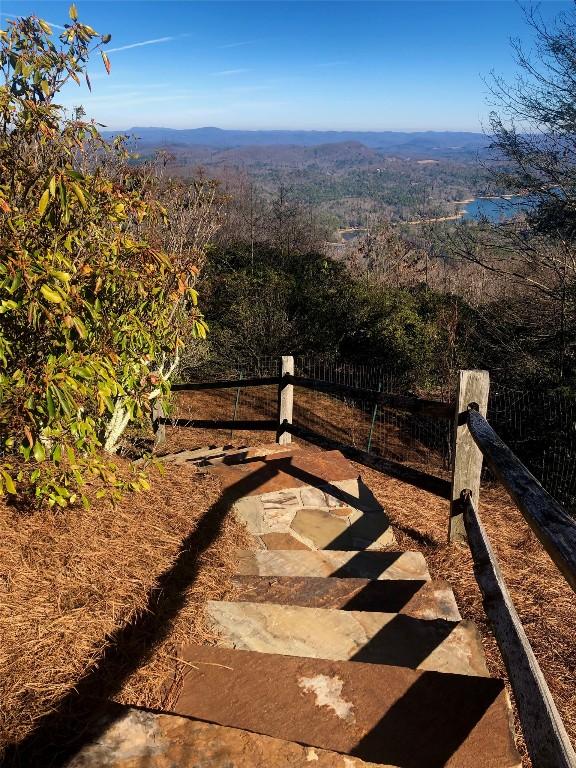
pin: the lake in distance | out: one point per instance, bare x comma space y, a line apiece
496, 209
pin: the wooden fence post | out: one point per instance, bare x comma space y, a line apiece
473, 387
159, 429
285, 401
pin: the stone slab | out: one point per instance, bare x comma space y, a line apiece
272, 473
363, 565
281, 541
421, 599
321, 529
134, 738
354, 493
388, 715
328, 633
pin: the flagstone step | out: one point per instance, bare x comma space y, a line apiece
421, 599
388, 715
328, 633
278, 473
363, 565
317, 518
135, 738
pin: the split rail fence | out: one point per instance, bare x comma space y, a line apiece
474, 441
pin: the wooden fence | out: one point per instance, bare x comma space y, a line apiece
474, 441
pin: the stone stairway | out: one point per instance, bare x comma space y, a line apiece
336, 649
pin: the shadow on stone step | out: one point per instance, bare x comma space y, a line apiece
344, 594
286, 466
61, 733
405, 641
367, 565
428, 725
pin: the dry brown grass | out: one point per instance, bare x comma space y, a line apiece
75, 583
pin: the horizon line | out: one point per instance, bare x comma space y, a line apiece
303, 130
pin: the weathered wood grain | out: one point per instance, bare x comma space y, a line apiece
285, 400
473, 387
553, 526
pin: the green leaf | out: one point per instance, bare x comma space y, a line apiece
10, 487
50, 404
50, 295
79, 194
38, 451
43, 202
45, 26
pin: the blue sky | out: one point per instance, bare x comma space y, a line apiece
378, 65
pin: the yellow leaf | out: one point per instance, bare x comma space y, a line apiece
45, 26
43, 202
50, 295
10, 487
59, 275
73, 12
38, 451
79, 194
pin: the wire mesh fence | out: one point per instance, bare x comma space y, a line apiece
422, 442
539, 427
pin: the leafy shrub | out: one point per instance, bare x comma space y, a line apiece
92, 310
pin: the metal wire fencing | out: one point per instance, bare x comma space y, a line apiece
539, 427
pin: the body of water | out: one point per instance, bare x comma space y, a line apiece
498, 209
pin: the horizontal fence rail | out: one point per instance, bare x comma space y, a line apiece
414, 404
262, 381
435, 485
553, 526
237, 424
544, 731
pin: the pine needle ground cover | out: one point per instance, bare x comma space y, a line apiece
76, 584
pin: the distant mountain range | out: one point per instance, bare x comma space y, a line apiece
417, 144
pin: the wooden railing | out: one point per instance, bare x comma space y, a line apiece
473, 441
546, 738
